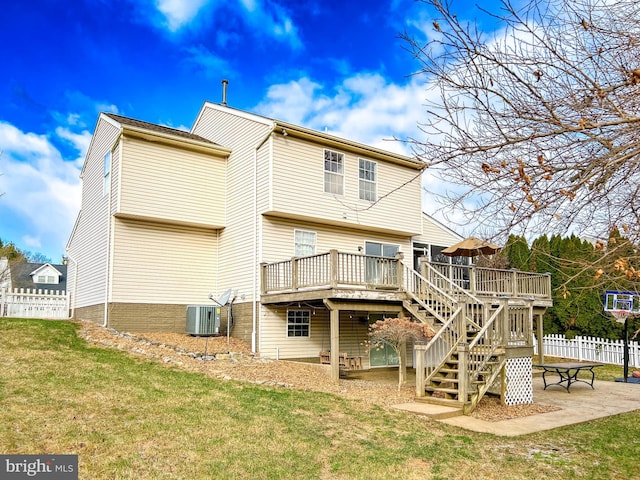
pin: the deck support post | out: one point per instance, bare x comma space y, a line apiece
334, 334
420, 365
540, 337
463, 372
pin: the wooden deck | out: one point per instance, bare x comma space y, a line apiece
482, 316
363, 277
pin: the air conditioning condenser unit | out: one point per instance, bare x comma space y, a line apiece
203, 320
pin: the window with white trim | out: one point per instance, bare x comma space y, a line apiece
106, 173
46, 279
298, 323
333, 172
305, 243
367, 174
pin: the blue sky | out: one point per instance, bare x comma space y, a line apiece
334, 65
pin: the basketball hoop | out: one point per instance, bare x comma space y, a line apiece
622, 305
620, 315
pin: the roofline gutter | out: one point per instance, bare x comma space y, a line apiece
167, 139
345, 144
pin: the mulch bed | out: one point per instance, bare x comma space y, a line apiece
231, 359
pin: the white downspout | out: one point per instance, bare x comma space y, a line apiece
256, 254
108, 259
72, 301
254, 315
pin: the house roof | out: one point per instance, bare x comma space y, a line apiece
131, 122
279, 126
21, 276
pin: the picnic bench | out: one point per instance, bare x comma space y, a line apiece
568, 373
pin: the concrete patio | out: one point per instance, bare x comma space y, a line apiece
582, 404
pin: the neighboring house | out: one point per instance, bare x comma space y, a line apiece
37, 277
316, 235
33, 290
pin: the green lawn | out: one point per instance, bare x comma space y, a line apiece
129, 418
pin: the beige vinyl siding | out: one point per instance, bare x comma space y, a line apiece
172, 184
278, 244
278, 238
88, 245
238, 249
276, 343
116, 155
264, 176
298, 190
354, 331
154, 263
434, 233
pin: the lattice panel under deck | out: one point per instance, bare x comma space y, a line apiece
519, 379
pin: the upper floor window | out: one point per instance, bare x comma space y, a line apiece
305, 243
333, 172
107, 173
367, 175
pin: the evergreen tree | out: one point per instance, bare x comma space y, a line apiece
518, 253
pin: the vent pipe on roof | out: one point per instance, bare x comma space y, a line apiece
224, 91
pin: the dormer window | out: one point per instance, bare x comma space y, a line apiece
46, 279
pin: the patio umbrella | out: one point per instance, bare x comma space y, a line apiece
471, 247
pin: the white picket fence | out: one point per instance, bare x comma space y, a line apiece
590, 349
28, 303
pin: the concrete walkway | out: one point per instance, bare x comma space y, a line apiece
580, 405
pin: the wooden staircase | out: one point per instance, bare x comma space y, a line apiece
467, 353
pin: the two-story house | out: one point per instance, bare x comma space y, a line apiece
316, 236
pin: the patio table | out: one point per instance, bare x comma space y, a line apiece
568, 373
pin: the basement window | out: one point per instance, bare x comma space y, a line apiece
298, 323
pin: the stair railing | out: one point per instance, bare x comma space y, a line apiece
461, 314
428, 295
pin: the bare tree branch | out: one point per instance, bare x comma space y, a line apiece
538, 126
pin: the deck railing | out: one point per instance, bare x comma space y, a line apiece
354, 270
491, 281
330, 270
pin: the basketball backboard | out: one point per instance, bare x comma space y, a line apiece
615, 301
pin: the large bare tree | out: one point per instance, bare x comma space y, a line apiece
537, 124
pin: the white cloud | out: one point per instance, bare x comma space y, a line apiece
365, 107
295, 101
179, 13
263, 18
272, 19
80, 141
41, 191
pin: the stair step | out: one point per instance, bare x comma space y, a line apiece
448, 370
447, 402
444, 379
432, 389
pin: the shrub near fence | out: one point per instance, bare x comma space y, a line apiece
590, 349
27, 303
